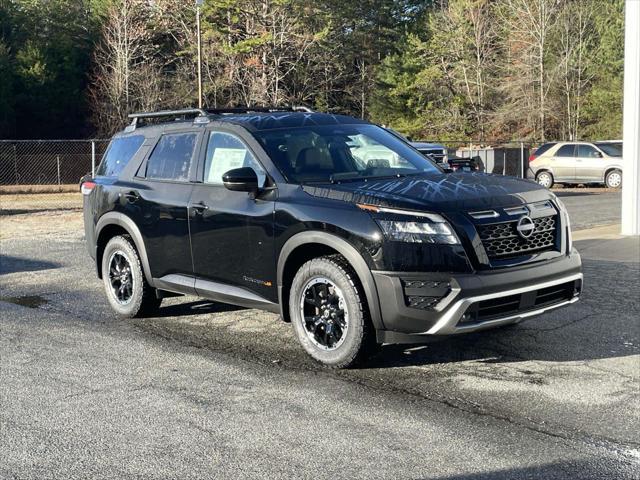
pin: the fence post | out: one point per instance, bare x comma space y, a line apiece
522, 159
93, 158
15, 163
58, 164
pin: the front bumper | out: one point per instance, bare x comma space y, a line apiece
459, 303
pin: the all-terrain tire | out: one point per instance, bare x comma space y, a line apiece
359, 337
142, 300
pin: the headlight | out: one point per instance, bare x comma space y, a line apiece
429, 228
563, 209
418, 232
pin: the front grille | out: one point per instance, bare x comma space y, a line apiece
513, 304
501, 240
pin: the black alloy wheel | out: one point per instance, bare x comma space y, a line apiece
329, 312
120, 277
326, 318
128, 291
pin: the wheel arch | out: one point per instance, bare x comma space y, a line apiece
307, 245
115, 223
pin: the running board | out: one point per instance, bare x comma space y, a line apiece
224, 293
176, 283
219, 292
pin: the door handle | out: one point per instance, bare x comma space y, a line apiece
200, 207
132, 196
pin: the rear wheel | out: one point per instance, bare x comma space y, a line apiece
545, 179
127, 289
329, 313
613, 179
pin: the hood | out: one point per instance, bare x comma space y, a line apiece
437, 192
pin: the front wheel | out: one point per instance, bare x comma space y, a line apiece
545, 179
329, 312
127, 289
613, 179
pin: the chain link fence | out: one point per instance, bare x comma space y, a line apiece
503, 159
45, 174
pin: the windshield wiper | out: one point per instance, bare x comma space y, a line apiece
352, 176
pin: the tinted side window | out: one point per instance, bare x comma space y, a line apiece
565, 151
540, 150
587, 151
611, 149
117, 156
225, 152
171, 157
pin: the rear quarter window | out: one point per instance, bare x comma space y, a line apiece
543, 148
120, 151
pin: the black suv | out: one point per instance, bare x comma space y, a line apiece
343, 228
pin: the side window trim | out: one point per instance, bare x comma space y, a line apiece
199, 178
588, 149
574, 151
141, 172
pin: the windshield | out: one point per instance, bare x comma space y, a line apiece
332, 153
611, 149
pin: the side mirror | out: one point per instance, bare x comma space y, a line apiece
242, 179
598, 154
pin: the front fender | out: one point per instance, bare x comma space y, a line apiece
349, 252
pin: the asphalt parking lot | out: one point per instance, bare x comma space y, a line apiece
206, 390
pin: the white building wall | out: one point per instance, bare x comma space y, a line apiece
631, 129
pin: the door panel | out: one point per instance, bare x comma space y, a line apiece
232, 239
158, 198
563, 163
589, 164
159, 209
232, 232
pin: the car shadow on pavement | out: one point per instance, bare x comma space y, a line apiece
603, 324
11, 264
596, 467
198, 307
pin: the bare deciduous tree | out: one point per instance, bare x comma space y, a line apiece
125, 47
576, 53
528, 25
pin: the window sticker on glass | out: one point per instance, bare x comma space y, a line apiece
225, 159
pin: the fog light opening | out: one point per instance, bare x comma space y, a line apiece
466, 318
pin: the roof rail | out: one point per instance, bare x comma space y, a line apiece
249, 109
201, 116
